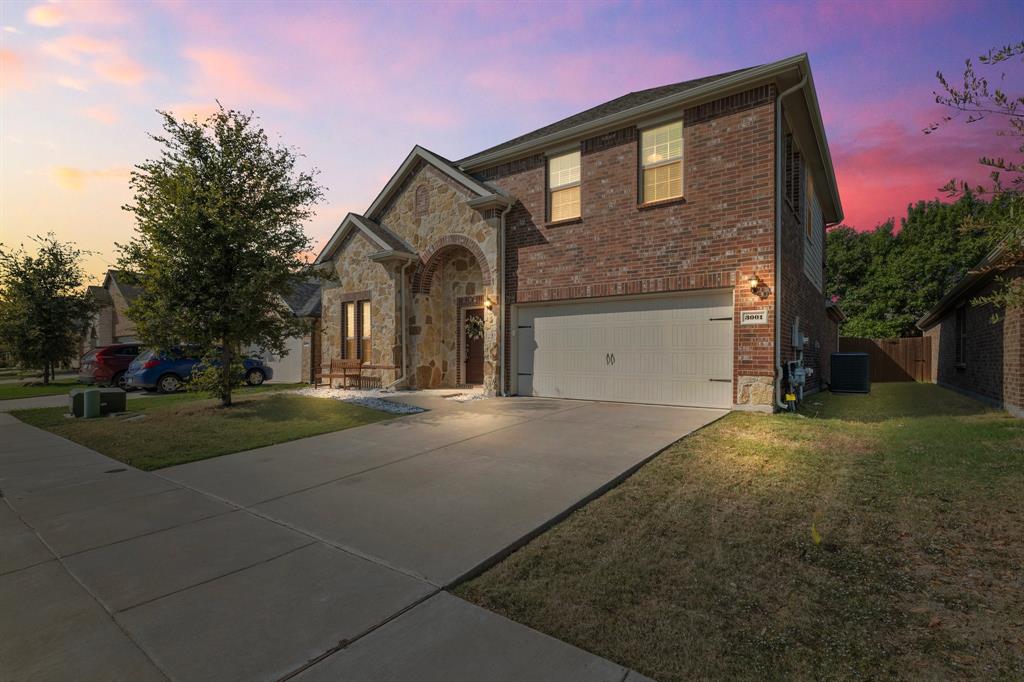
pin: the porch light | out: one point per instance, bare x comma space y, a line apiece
755, 283
488, 303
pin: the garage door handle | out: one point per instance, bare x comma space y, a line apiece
609, 358
725, 381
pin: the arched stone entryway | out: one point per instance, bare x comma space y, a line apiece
452, 285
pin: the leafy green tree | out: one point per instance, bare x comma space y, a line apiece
886, 280
44, 307
219, 241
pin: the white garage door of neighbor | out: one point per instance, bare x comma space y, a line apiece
661, 350
287, 368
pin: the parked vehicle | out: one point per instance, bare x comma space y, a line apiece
107, 365
167, 372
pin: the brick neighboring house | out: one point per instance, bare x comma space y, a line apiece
970, 353
664, 247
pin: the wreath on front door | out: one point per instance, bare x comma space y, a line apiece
474, 327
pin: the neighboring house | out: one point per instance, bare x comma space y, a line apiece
110, 324
971, 353
637, 251
303, 356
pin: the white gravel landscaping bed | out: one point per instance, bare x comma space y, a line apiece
374, 399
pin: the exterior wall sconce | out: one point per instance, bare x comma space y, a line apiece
758, 287
488, 303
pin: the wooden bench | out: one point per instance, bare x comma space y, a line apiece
340, 369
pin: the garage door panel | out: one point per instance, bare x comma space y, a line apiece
655, 350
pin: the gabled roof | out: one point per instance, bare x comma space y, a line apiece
615, 106
378, 234
420, 155
100, 295
388, 240
118, 277
304, 298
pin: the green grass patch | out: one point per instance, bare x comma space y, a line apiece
162, 431
873, 536
15, 391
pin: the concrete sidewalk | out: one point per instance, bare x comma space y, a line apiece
111, 573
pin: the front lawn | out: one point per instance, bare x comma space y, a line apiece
163, 431
13, 391
877, 536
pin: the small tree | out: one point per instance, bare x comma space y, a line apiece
219, 241
977, 99
44, 308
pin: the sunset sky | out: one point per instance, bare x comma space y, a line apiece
355, 86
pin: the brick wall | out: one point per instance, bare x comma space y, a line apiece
720, 234
994, 370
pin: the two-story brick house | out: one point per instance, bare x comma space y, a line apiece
664, 247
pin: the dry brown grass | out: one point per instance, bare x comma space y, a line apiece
852, 545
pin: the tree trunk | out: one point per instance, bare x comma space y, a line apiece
46, 374
225, 376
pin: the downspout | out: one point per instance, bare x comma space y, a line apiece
502, 391
778, 239
405, 333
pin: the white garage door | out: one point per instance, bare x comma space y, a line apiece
662, 350
287, 368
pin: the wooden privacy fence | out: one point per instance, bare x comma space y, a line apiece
894, 359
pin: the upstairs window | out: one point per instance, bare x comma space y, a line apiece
564, 186
662, 162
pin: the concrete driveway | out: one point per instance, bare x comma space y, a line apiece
324, 558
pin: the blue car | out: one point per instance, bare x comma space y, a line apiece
167, 372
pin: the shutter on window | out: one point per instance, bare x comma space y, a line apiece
792, 179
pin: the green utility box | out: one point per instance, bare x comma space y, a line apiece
110, 400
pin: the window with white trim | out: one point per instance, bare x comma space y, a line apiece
661, 160
564, 186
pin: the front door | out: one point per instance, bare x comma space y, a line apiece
473, 333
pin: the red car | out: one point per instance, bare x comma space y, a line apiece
106, 365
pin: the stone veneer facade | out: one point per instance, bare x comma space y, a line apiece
457, 249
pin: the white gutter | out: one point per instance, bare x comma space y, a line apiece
778, 239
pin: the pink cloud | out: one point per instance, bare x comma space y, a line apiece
72, 83
106, 58
73, 48
47, 16
52, 14
231, 77
71, 178
887, 166
14, 69
102, 114
121, 70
